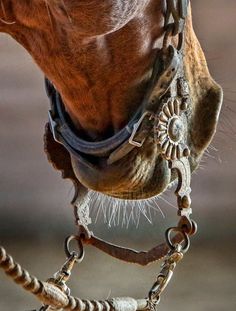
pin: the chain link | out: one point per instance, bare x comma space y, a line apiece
165, 276
176, 14
185, 227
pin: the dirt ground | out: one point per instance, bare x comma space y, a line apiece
34, 212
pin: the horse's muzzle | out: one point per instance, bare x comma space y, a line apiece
141, 174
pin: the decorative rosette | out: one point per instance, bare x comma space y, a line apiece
171, 130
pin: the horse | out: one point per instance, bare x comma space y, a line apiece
99, 56
133, 108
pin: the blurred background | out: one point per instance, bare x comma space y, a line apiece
35, 214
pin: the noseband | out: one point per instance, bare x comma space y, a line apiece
163, 116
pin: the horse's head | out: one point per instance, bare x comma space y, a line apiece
99, 56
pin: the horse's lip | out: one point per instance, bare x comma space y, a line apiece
111, 179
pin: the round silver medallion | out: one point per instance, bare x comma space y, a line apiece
171, 130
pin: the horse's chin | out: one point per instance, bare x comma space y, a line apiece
127, 179
142, 174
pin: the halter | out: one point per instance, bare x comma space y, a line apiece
163, 115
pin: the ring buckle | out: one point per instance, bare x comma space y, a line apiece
69, 253
185, 236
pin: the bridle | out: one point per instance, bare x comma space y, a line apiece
162, 115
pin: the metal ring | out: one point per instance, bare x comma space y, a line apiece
172, 245
80, 255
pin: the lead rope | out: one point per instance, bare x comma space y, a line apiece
54, 293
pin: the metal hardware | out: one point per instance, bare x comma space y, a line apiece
53, 127
136, 127
177, 10
165, 276
61, 277
185, 239
78, 256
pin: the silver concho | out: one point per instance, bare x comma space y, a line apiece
171, 130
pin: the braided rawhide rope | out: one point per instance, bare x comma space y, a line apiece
55, 295
52, 295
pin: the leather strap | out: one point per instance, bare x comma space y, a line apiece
64, 133
129, 255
